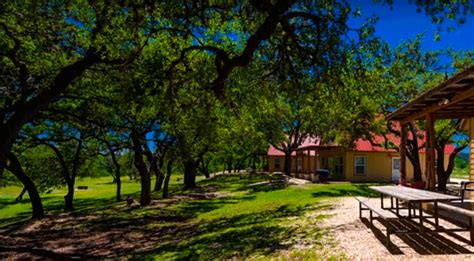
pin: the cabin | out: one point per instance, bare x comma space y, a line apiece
366, 161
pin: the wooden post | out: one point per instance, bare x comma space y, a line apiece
315, 161
297, 170
403, 154
471, 154
430, 152
309, 162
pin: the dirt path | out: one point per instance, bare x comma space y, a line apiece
359, 240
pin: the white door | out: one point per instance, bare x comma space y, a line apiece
395, 169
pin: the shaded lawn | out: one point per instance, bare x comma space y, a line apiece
224, 218
99, 195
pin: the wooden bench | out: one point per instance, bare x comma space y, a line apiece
382, 214
462, 211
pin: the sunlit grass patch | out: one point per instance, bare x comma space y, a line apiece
226, 217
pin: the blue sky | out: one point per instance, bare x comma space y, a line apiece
403, 22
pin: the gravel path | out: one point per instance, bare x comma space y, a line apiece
357, 239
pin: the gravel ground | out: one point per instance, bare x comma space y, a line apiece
359, 240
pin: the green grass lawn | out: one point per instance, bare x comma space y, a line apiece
233, 220
100, 194
462, 173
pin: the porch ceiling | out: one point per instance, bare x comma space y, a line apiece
454, 98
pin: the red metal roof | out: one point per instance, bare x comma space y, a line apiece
272, 151
362, 145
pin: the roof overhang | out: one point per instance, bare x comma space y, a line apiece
316, 147
454, 98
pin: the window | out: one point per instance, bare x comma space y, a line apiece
324, 164
360, 165
336, 165
339, 168
277, 164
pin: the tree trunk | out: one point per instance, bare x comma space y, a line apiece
145, 195
20, 197
189, 174
205, 170
118, 181
417, 174
68, 198
444, 172
160, 176
442, 180
254, 163
71, 181
204, 166
287, 168
36, 204
229, 167
167, 179
413, 154
159, 181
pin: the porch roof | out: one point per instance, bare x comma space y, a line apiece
453, 98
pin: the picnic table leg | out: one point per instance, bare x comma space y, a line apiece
381, 200
409, 209
436, 215
471, 230
388, 233
397, 206
360, 210
420, 209
391, 202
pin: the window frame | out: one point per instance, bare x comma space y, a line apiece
275, 163
358, 165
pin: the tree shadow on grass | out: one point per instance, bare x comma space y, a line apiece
168, 229
167, 232
233, 182
240, 236
337, 191
196, 207
267, 187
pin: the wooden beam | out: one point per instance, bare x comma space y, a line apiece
456, 115
436, 107
430, 153
403, 158
443, 87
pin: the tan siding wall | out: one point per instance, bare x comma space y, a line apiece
271, 162
378, 164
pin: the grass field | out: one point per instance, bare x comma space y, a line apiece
225, 218
100, 192
460, 173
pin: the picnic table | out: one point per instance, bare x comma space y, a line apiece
390, 216
413, 197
